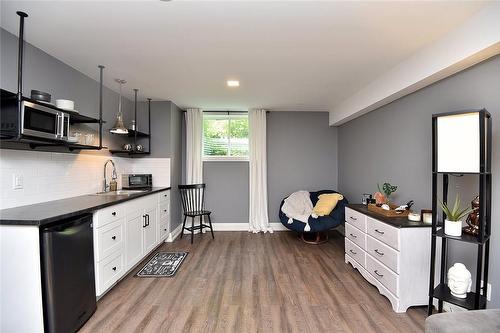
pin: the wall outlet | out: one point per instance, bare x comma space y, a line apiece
17, 182
488, 292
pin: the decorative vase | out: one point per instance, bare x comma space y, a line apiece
453, 228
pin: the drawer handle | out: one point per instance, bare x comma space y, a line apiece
378, 274
354, 236
380, 232
114, 213
165, 229
378, 252
165, 210
113, 238
353, 218
114, 268
353, 252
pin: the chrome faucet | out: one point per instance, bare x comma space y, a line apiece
106, 186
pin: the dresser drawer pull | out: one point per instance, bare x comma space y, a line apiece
378, 274
354, 236
353, 218
353, 252
379, 232
113, 238
114, 268
378, 252
114, 213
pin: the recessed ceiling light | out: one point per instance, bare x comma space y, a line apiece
233, 83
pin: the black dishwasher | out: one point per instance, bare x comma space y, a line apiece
68, 282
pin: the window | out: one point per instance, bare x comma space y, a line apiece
225, 136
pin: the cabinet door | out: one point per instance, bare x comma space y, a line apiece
149, 232
134, 229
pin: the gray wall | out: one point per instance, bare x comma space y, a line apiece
393, 144
301, 155
46, 73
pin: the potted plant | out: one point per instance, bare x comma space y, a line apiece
453, 222
387, 189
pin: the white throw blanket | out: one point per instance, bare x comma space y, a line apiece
298, 206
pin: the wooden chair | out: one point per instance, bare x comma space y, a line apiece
193, 204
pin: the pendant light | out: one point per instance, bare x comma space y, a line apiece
119, 127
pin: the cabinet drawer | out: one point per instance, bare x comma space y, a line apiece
383, 232
383, 253
164, 196
355, 235
109, 239
355, 252
163, 230
382, 274
107, 215
109, 271
356, 219
164, 209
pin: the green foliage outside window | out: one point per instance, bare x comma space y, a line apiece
225, 135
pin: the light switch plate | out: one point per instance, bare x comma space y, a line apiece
17, 181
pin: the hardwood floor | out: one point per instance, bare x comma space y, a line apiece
244, 282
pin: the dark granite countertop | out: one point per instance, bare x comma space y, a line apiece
47, 212
398, 222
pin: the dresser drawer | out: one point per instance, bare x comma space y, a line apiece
355, 252
383, 253
109, 271
356, 219
382, 274
383, 232
109, 239
355, 235
107, 215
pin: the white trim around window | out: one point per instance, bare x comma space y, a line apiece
225, 158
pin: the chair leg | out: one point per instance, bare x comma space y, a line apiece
183, 225
201, 224
210, 223
192, 229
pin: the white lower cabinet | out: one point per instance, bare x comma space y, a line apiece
123, 239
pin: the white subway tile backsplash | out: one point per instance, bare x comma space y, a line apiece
52, 176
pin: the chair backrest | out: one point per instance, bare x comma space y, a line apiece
192, 197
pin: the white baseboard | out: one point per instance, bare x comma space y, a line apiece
276, 226
174, 234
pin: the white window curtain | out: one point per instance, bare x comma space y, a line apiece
194, 146
258, 216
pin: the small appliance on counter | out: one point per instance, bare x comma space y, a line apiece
137, 181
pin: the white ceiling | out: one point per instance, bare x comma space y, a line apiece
288, 55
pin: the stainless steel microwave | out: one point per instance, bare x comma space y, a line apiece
43, 122
134, 180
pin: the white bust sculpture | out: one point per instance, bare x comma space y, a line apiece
459, 280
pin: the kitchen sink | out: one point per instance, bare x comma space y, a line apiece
122, 192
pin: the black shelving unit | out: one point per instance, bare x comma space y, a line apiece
137, 134
18, 140
477, 299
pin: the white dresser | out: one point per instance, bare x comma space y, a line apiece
393, 254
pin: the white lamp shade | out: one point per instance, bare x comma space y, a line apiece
458, 143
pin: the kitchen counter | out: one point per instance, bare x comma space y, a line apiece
47, 212
398, 222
